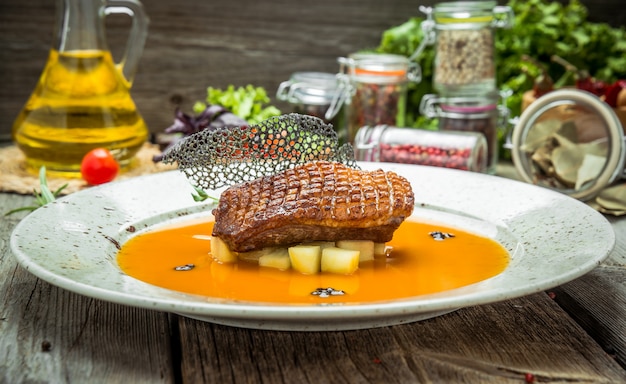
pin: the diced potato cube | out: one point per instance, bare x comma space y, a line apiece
338, 260
365, 248
221, 252
305, 258
278, 259
380, 249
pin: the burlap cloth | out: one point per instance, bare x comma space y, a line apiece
15, 178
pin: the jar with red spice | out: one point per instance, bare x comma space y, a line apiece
458, 150
480, 114
375, 89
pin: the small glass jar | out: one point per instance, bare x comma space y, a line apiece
463, 34
479, 114
375, 89
312, 93
458, 150
570, 141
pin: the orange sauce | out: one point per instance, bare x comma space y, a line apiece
417, 265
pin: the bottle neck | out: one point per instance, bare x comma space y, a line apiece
80, 25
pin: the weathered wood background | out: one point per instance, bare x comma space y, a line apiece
193, 44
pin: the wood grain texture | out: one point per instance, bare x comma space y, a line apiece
597, 301
50, 335
497, 343
194, 44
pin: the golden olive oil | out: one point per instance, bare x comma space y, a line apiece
82, 102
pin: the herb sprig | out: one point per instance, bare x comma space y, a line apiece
43, 197
202, 195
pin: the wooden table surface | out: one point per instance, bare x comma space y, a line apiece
576, 333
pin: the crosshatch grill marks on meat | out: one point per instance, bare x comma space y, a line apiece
315, 201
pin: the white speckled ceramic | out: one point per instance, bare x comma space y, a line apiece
552, 239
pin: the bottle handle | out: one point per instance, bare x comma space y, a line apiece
137, 36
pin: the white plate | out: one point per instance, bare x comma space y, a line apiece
552, 239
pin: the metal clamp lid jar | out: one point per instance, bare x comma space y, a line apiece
570, 141
480, 114
374, 89
311, 92
462, 32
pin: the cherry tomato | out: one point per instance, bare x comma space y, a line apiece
99, 166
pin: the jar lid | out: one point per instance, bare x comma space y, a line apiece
311, 88
378, 67
435, 106
571, 141
476, 11
451, 14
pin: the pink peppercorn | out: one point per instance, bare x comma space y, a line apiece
458, 150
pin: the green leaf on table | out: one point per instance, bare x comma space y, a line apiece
43, 197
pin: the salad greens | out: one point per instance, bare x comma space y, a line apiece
249, 102
542, 29
222, 108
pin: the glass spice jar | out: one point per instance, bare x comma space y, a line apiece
312, 93
479, 114
458, 150
463, 35
375, 89
570, 141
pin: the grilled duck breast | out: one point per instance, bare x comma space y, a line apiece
316, 201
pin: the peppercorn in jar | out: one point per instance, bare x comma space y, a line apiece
463, 35
376, 89
458, 150
465, 52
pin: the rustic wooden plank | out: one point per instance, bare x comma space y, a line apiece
597, 301
496, 343
51, 335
